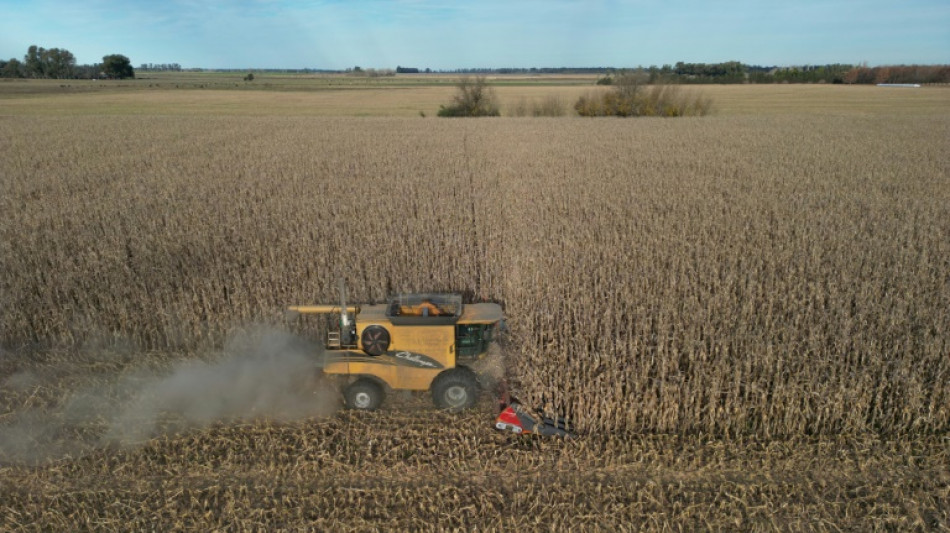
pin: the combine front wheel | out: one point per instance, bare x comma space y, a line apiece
364, 395
455, 389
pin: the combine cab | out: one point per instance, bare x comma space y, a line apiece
413, 342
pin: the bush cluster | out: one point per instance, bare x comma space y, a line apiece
473, 99
631, 98
549, 106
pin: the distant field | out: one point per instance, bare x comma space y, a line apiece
747, 314
414, 95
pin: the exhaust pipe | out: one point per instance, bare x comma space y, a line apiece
344, 316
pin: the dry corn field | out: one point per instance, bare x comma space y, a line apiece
748, 317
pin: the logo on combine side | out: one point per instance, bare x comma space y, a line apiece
417, 359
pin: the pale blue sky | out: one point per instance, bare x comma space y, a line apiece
441, 34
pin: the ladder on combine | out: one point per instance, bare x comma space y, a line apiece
333, 340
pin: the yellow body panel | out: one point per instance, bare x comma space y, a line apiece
395, 375
436, 342
417, 353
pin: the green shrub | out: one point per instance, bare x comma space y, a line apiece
473, 99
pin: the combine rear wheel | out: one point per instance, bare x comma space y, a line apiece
455, 389
364, 395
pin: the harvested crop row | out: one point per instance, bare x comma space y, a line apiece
397, 470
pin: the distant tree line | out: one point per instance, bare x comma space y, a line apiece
160, 67
899, 74
60, 64
531, 70
369, 72
737, 72
267, 70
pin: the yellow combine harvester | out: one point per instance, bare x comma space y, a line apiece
413, 342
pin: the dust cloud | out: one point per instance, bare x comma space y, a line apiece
262, 373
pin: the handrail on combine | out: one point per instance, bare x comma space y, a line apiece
323, 309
